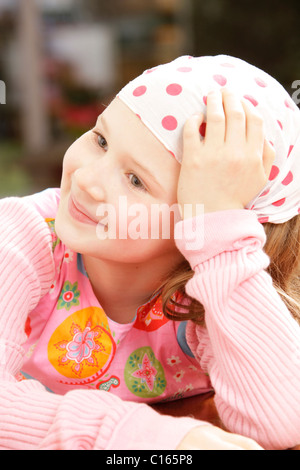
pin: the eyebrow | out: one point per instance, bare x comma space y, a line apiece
101, 120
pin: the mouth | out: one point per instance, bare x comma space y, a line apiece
79, 213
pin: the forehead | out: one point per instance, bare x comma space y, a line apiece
130, 134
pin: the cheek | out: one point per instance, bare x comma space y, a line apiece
71, 159
77, 155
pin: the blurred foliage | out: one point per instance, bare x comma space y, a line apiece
14, 179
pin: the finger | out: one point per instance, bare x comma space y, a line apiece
255, 132
191, 136
215, 126
235, 118
268, 157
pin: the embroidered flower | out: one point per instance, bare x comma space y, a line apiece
83, 349
179, 375
68, 256
173, 360
82, 346
52, 287
150, 316
146, 372
69, 296
181, 392
189, 388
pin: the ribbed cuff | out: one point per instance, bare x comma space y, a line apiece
145, 429
203, 237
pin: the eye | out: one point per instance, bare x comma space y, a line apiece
136, 182
102, 142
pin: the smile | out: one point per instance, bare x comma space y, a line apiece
79, 214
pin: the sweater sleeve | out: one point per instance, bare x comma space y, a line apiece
31, 417
251, 344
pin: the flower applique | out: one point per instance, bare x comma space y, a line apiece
68, 256
82, 346
144, 374
179, 375
52, 287
150, 316
69, 296
173, 360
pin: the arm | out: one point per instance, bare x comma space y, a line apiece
253, 352
30, 416
252, 347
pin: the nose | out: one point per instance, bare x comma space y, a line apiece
91, 180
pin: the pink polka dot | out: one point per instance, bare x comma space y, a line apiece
174, 89
279, 203
151, 70
184, 69
139, 91
260, 82
220, 79
205, 100
288, 179
273, 173
299, 210
280, 125
289, 104
202, 129
263, 220
169, 123
251, 99
290, 149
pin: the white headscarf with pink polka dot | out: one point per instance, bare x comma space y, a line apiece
167, 95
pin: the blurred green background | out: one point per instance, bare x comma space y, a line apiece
63, 60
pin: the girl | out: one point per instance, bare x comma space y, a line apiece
96, 311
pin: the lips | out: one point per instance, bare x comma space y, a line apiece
79, 213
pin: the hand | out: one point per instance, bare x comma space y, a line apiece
208, 437
231, 165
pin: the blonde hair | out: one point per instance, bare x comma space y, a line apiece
283, 248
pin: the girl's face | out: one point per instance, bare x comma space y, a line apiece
108, 170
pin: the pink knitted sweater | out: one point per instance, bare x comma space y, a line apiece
250, 348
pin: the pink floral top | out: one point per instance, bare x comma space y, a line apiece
73, 344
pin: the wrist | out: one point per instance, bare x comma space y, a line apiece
191, 210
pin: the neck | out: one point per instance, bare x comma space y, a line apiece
122, 287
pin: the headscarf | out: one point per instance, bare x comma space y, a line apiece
164, 97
